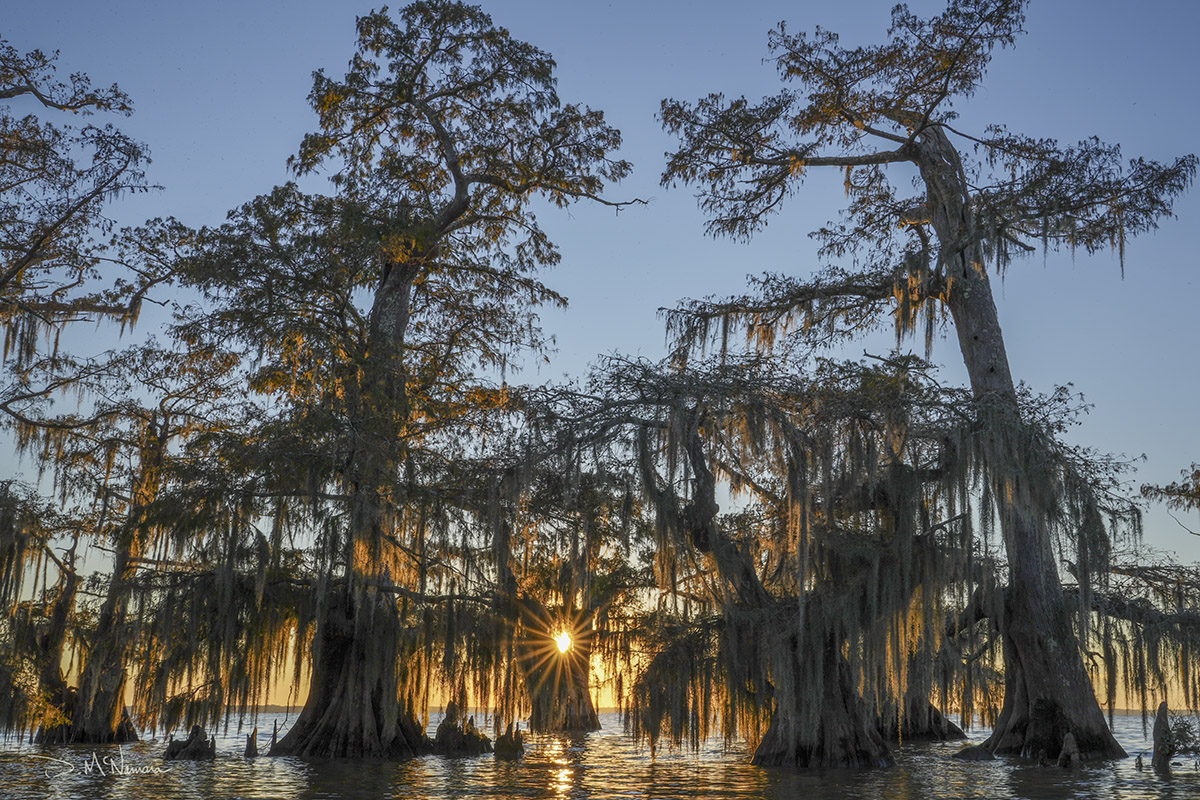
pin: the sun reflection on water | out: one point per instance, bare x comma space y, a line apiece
601, 764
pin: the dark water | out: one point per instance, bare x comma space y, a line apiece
600, 765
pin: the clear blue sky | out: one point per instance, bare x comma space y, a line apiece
219, 90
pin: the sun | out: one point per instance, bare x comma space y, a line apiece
563, 640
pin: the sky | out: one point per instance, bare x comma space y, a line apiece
220, 91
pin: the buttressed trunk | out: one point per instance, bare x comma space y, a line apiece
50, 652
353, 709
1047, 690
557, 681
917, 719
843, 735
95, 712
98, 712
837, 730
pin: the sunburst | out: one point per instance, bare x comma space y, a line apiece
556, 649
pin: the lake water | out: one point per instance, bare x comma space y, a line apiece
599, 765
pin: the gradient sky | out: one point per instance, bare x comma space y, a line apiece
219, 90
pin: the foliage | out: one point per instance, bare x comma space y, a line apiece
1183, 735
1182, 495
325, 476
55, 181
746, 159
919, 260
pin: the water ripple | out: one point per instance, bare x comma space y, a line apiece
604, 764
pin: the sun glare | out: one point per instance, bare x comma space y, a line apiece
563, 640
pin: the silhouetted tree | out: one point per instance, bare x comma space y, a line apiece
55, 181
372, 312
914, 258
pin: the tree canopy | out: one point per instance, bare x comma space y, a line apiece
55, 181
905, 259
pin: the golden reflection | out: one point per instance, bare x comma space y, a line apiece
562, 782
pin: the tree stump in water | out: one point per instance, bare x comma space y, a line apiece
251, 744
1164, 746
457, 738
511, 744
1069, 757
197, 747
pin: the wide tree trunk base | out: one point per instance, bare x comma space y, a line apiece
844, 736
347, 732
352, 709
840, 744
68, 733
1045, 698
574, 714
923, 723
557, 682
1039, 732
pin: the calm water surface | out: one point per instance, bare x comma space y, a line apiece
599, 765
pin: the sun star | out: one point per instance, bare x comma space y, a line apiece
563, 640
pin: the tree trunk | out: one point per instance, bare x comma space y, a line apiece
844, 736
98, 714
353, 710
95, 712
50, 652
97, 709
557, 682
562, 701
921, 722
1047, 690
1164, 747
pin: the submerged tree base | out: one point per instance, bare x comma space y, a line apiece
123, 732
196, 747
844, 737
459, 737
846, 743
923, 723
352, 709
573, 713
1046, 697
511, 744
556, 679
